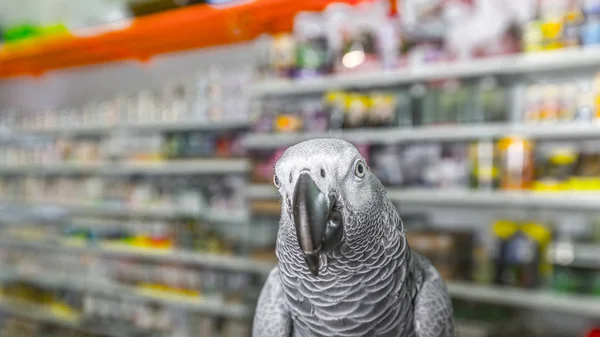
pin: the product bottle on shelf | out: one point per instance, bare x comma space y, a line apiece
516, 155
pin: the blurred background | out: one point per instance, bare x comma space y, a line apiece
138, 138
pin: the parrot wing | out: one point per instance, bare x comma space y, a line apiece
272, 317
433, 306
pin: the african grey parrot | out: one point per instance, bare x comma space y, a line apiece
345, 268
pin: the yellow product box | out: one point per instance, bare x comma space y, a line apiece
584, 183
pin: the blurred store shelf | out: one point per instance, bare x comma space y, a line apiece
429, 133
581, 201
92, 209
262, 191
94, 284
40, 313
528, 299
37, 313
173, 167
208, 260
470, 328
103, 130
504, 65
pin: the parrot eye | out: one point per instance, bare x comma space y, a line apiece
276, 181
360, 169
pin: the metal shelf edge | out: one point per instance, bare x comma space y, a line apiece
524, 298
202, 166
231, 263
501, 65
460, 132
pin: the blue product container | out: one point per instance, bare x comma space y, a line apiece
590, 32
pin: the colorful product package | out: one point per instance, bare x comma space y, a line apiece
283, 55
586, 176
520, 253
484, 163
366, 37
554, 166
313, 53
516, 155
382, 110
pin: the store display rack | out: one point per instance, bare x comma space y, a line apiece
524, 298
431, 133
236, 217
36, 313
91, 285
232, 263
580, 201
102, 130
167, 167
501, 65
527, 298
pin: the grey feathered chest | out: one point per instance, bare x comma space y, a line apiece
357, 293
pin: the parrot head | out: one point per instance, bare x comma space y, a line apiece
327, 192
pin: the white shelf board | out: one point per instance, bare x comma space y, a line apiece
502, 65
262, 191
197, 166
89, 209
68, 169
526, 298
92, 284
173, 167
430, 133
582, 201
233, 263
101, 130
189, 126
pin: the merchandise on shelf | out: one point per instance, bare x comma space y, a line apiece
450, 252
484, 171
97, 314
123, 148
516, 163
424, 165
555, 166
218, 97
571, 101
576, 280
345, 38
313, 53
520, 253
193, 196
132, 275
342, 38
448, 102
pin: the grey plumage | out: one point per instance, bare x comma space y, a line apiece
369, 283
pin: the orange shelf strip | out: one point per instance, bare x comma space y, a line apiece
177, 30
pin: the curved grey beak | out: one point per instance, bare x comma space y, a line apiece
316, 225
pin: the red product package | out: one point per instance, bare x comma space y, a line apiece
594, 333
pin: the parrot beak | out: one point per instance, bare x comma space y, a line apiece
317, 224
